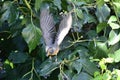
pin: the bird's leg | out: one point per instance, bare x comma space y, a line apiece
50, 57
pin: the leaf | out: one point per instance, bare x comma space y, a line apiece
106, 0
18, 57
96, 74
117, 73
10, 12
78, 66
117, 7
115, 56
88, 66
101, 26
78, 3
8, 62
113, 38
37, 4
98, 49
102, 13
102, 64
6, 9
88, 18
113, 48
107, 75
67, 75
101, 49
82, 76
47, 67
79, 13
91, 34
57, 3
113, 22
100, 3
112, 19
82, 51
102, 46
32, 36
114, 25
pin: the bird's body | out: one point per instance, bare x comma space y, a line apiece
47, 25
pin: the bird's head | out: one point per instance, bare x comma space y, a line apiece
52, 51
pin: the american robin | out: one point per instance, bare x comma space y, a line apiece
47, 25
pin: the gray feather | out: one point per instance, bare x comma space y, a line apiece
64, 28
47, 27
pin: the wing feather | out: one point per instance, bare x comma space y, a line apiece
47, 26
64, 28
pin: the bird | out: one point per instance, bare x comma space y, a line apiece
52, 38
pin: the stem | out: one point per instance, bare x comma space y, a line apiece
33, 69
104, 32
78, 41
29, 7
73, 37
31, 18
27, 4
32, 72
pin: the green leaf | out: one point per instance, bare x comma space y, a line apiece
117, 72
102, 13
114, 25
107, 76
82, 76
100, 3
113, 48
106, 0
47, 67
8, 62
78, 3
112, 19
101, 26
113, 38
78, 66
88, 18
91, 34
115, 56
67, 75
79, 13
6, 9
57, 3
102, 64
113, 22
88, 66
10, 12
97, 73
18, 57
37, 4
98, 49
82, 51
32, 36
102, 46
117, 7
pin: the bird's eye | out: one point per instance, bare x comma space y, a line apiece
51, 51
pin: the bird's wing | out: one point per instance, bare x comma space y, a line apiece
47, 26
64, 28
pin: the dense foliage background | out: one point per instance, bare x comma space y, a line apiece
91, 50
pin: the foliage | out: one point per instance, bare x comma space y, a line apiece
90, 51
